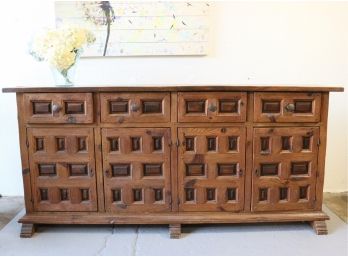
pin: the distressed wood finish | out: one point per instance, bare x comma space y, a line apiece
287, 107
175, 231
172, 155
136, 169
172, 218
58, 108
27, 230
322, 151
62, 168
212, 107
140, 107
23, 144
285, 168
173, 88
319, 227
211, 169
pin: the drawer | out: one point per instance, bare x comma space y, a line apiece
58, 108
135, 107
212, 107
287, 107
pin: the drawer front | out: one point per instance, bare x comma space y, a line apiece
62, 169
287, 107
212, 107
136, 164
135, 107
59, 108
285, 168
211, 169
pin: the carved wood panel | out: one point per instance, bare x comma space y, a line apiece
287, 107
211, 169
285, 168
212, 107
135, 107
62, 167
136, 164
59, 108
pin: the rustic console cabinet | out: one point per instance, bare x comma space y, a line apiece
172, 155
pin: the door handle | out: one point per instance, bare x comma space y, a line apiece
290, 107
135, 107
212, 108
56, 108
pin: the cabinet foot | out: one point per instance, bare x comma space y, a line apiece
319, 227
175, 231
27, 230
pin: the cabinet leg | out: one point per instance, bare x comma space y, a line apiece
319, 227
175, 231
27, 230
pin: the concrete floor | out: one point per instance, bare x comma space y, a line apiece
338, 203
9, 207
251, 239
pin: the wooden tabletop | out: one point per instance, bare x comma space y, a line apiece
171, 88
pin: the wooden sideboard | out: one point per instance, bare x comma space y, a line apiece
172, 155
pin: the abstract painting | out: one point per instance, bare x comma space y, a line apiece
140, 28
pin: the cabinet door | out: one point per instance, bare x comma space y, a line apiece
211, 107
211, 169
62, 168
136, 165
285, 168
59, 108
135, 107
287, 107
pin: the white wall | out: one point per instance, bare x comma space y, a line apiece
252, 43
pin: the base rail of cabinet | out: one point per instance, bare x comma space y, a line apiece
315, 218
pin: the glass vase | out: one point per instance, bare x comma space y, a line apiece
64, 78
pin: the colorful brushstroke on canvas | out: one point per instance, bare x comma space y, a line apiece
140, 28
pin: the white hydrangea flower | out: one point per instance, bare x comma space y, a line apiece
60, 47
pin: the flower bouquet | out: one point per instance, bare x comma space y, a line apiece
61, 48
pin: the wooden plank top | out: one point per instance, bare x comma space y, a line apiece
171, 88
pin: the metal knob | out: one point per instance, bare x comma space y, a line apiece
56, 108
290, 107
212, 108
134, 108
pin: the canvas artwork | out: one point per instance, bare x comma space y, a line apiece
140, 28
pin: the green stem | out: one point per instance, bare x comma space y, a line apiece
107, 34
65, 72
